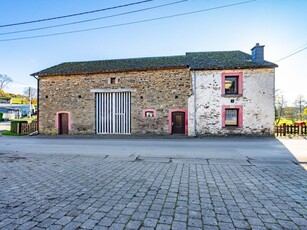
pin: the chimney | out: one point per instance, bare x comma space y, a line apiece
257, 53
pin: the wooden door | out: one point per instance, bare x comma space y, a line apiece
63, 123
178, 123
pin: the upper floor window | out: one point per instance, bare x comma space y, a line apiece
112, 80
232, 83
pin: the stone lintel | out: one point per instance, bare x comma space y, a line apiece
112, 90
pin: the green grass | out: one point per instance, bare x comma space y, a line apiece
9, 133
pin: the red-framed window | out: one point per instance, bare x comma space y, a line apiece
149, 113
232, 83
232, 116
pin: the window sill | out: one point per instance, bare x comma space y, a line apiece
232, 127
232, 95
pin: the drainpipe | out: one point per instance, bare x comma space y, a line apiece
195, 109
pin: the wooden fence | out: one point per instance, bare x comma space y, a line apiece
23, 127
284, 130
28, 128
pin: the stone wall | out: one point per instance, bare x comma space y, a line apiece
161, 90
257, 101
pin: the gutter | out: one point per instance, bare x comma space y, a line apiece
80, 72
194, 109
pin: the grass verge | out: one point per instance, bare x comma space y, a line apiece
9, 133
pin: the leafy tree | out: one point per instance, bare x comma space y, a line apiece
4, 81
4, 94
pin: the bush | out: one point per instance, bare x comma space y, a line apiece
1, 116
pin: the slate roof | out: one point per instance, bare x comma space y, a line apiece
194, 61
224, 60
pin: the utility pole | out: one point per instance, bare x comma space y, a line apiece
30, 103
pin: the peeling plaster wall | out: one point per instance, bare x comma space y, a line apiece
257, 101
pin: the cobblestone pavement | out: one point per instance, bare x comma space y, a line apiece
91, 192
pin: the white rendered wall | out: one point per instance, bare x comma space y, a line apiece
257, 101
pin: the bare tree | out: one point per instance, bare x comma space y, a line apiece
280, 104
300, 104
30, 92
4, 81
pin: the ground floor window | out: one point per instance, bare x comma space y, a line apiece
232, 116
149, 113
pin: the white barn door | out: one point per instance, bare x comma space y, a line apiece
113, 112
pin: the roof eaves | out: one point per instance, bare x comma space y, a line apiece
234, 67
44, 74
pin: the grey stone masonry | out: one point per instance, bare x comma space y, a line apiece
159, 90
84, 192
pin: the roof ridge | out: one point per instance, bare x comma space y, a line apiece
127, 59
218, 51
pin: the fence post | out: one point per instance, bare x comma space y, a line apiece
18, 127
284, 129
300, 130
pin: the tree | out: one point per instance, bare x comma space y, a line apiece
4, 81
30, 92
280, 104
4, 94
289, 113
300, 103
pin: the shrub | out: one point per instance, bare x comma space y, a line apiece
1, 116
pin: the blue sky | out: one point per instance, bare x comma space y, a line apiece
280, 25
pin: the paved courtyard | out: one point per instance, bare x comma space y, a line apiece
84, 191
98, 183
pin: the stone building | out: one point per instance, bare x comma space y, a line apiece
203, 93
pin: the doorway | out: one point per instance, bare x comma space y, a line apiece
113, 113
63, 123
178, 123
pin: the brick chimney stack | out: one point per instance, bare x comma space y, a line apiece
258, 53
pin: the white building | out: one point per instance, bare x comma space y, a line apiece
233, 93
